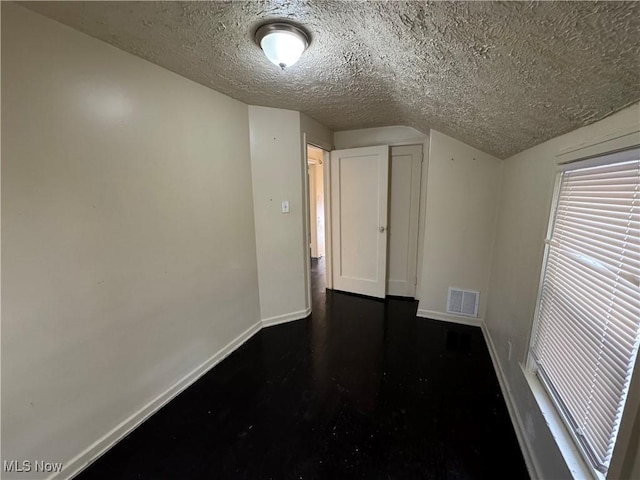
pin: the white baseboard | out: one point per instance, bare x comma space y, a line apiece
516, 420
287, 317
97, 449
447, 317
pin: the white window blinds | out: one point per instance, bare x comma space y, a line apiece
587, 326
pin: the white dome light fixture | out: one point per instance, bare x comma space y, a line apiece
282, 43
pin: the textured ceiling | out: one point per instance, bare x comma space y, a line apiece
499, 76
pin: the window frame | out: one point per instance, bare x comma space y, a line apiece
597, 155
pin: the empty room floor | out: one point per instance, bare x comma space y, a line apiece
360, 389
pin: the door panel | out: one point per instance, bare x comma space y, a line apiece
359, 197
404, 206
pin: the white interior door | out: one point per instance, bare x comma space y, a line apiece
404, 209
359, 198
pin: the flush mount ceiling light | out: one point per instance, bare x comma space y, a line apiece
282, 43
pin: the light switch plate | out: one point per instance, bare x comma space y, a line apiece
285, 206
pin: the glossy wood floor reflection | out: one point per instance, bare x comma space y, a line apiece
360, 389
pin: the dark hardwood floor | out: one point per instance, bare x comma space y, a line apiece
360, 389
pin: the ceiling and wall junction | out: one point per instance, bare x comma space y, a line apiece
499, 76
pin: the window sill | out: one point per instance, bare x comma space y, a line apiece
575, 463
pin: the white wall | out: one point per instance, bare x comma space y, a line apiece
315, 132
128, 236
461, 209
369, 137
527, 189
278, 166
395, 135
634, 463
276, 170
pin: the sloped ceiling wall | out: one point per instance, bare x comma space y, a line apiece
500, 76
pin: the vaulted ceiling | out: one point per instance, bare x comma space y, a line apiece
501, 77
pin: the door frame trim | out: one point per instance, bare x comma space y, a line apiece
326, 147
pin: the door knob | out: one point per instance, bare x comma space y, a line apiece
382, 229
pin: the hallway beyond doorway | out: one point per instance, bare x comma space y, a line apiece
318, 278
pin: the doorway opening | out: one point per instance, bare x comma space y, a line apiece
363, 220
316, 164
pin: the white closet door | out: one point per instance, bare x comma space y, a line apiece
359, 198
